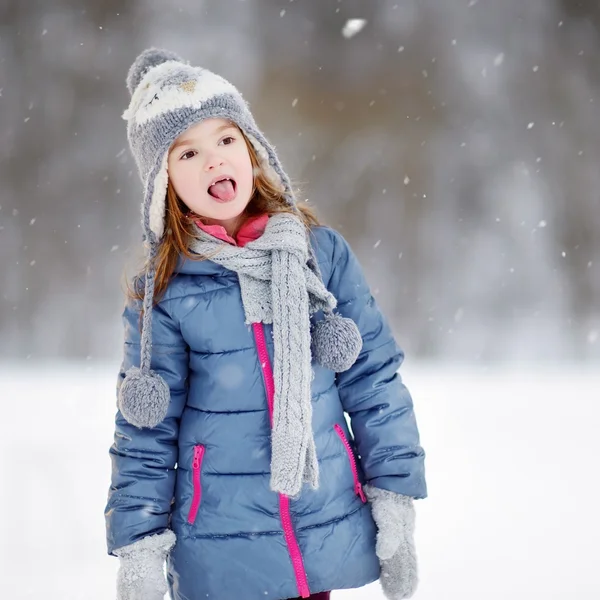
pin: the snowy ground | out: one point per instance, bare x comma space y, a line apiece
512, 470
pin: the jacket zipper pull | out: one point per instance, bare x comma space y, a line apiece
196, 461
359, 491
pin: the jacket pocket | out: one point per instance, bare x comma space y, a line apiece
196, 482
352, 459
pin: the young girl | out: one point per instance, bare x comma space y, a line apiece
250, 334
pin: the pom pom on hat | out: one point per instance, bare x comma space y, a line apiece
151, 57
143, 398
336, 342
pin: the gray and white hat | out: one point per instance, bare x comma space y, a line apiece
167, 97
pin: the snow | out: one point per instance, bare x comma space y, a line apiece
512, 463
352, 27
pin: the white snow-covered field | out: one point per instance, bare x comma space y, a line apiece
512, 463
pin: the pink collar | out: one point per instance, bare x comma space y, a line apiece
252, 229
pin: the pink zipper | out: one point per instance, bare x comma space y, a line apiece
284, 501
197, 483
357, 486
294, 549
265, 365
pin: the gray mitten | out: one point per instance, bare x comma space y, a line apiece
394, 515
141, 575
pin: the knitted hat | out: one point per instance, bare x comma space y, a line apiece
167, 97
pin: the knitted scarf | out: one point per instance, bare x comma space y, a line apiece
279, 286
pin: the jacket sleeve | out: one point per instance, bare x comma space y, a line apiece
143, 460
372, 393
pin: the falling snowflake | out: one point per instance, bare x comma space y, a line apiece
352, 27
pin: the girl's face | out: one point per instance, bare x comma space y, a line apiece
201, 160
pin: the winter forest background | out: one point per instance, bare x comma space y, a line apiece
455, 144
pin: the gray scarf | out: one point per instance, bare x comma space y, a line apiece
279, 286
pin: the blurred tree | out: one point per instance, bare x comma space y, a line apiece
455, 145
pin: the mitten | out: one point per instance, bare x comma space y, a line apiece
394, 515
141, 575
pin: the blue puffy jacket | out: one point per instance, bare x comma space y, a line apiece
204, 471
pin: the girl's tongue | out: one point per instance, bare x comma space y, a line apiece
222, 190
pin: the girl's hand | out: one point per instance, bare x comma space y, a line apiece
141, 575
394, 515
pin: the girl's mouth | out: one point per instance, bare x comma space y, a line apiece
224, 189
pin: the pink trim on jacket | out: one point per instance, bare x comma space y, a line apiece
197, 482
357, 485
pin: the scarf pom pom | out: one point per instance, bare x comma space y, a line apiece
143, 398
336, 343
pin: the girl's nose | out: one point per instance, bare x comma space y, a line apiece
212, 162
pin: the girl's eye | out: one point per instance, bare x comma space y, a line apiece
223, 141
186, 153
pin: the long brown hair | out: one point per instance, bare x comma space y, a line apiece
179, 226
